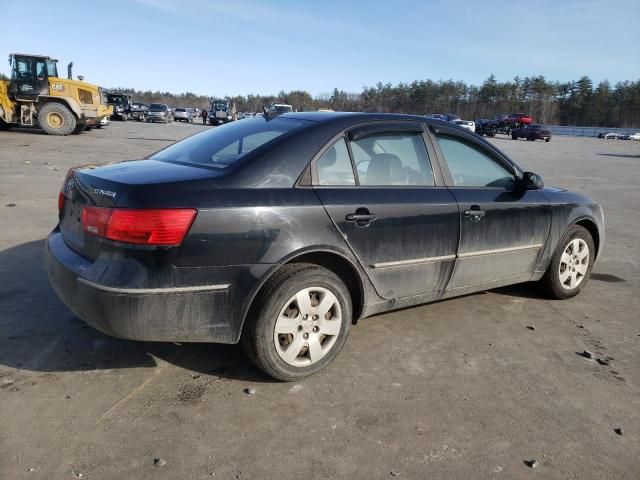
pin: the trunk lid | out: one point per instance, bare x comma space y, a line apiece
115, 185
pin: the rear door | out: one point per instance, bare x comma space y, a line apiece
379, 186
503, 229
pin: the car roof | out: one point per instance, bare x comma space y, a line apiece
359, 116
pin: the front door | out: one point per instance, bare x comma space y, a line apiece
29, 77
379, 188
503, 229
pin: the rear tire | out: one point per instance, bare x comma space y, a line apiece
56, 119
571, 265
547, 140
282, 334
514, 137
4, 126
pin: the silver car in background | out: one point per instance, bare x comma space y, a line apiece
468, 124
183, 115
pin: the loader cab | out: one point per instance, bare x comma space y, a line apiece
30, 75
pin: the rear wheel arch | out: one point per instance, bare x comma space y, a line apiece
335, 262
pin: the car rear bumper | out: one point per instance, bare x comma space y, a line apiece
200, 313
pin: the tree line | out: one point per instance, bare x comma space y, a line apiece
578, 102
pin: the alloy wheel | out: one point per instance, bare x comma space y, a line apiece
574, 264
308, 326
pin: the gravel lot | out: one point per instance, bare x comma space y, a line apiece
456, 389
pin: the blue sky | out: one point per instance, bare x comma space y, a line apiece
248, 46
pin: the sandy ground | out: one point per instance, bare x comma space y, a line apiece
456, 389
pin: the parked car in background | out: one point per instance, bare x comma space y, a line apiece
531, 132
609, 136
486, 127
183, 115
139, 111
624, 136
247, 233
519, 119
159, 112
447, 117
635, 136
468, 124
281, 107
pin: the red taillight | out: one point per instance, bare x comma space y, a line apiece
166, 227
61, 199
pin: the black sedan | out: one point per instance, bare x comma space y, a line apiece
532, 133
283, 232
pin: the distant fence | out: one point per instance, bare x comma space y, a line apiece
587, 131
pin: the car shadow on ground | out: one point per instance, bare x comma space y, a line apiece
621, 155
38, 333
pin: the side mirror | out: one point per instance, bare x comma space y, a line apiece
532, 181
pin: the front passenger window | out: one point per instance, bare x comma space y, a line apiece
470, 166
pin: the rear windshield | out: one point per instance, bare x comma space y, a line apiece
156, 107
222, 146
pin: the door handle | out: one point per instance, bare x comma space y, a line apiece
362, 217
359, 217
474, 213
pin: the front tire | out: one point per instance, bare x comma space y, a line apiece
514, 137
299, 323
56, 119
571, 266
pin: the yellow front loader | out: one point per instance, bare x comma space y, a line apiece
37, 96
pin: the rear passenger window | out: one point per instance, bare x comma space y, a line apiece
334, 167
392, 158
470, 166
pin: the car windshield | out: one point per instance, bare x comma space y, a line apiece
157, 107
223, 146
220, 105
180, 110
